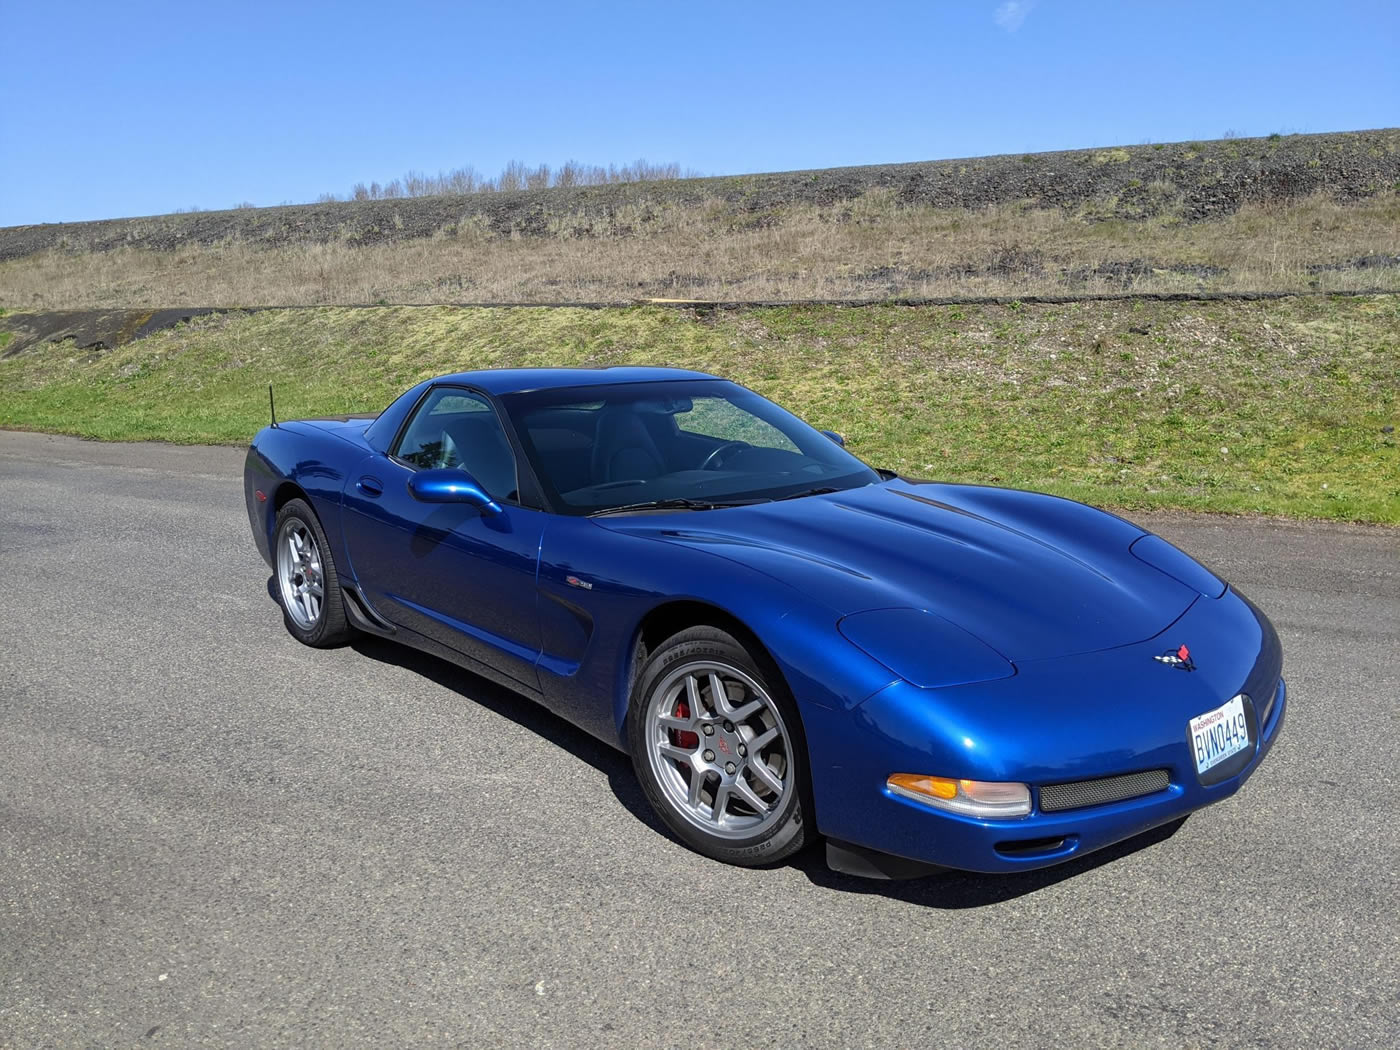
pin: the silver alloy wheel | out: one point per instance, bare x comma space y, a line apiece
720, 751
299, 573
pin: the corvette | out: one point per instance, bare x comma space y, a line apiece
791, 645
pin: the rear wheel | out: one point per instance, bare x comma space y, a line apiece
308, 587
718, 747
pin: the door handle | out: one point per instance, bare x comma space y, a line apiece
370, 486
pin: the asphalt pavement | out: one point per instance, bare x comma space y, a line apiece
213, 836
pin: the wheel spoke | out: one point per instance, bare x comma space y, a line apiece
675, 722
671, 751
692, 693
721, 800
697, 782
749, 795
719, 694
766, 776
763, 739
747, 711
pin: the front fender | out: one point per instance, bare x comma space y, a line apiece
597, 586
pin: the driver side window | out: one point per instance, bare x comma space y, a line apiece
458, 428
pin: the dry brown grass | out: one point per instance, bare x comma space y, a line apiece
867, 248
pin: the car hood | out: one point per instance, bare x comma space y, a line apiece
1033, 576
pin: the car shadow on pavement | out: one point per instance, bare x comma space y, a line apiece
953, 890
945, 890
525, 713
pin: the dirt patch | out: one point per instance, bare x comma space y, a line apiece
1365, 262
90, 330
1118, 275
1128, 272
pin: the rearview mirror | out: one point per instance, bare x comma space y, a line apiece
835, 437
449, 485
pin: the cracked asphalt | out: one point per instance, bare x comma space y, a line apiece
213, 836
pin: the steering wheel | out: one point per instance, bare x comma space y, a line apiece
712, 460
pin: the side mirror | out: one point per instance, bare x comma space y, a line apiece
835, 437
449, 485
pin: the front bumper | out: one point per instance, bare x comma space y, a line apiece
1042, 839
1127, 723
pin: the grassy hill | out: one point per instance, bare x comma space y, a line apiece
1281, 407
1283, 213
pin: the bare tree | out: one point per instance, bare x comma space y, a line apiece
462, 180
512, 176
516, 175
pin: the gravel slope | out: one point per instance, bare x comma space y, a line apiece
1198, 181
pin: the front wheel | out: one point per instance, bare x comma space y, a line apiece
718, 747
308, 587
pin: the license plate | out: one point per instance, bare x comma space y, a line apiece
1218, 734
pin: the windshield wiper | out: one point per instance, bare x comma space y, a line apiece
819, 491
677, 503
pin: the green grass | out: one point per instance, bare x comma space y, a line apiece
1273, 408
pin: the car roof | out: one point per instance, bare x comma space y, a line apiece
519, 380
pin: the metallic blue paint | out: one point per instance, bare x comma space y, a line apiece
924, 648
952, 630
445, 485
1160, 554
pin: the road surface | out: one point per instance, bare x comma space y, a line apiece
211, 835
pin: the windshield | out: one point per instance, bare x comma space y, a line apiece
689, 443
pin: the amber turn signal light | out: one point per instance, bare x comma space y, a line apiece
972, 798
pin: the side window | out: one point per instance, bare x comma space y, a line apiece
714, 417
457, 428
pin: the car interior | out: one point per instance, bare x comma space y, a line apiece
593, 454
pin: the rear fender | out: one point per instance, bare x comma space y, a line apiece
294, 460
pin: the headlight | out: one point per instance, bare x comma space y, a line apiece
971, 798
923, 648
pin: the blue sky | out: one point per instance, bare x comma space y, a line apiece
135, 108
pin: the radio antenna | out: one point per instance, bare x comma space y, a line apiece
271, 405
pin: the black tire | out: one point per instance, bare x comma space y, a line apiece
328, 627
785, 826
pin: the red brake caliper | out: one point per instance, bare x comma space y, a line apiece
684, 738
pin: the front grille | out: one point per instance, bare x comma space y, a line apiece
1080, 793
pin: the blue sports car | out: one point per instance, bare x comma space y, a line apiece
788, 643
